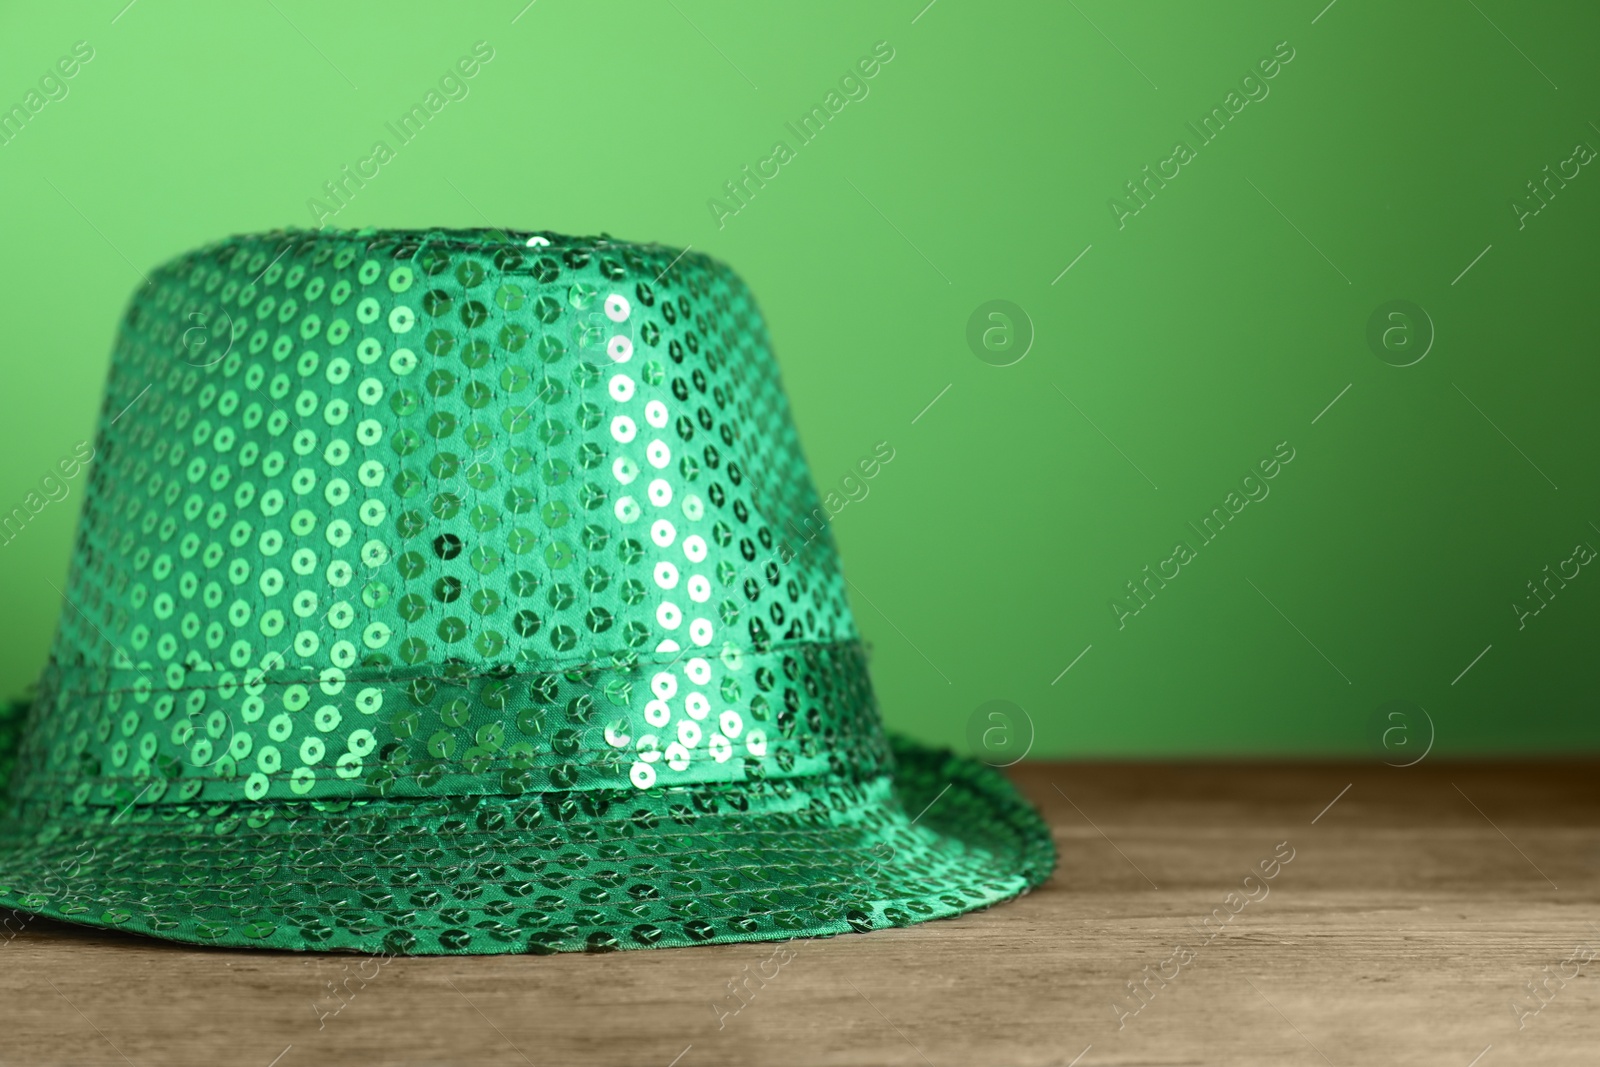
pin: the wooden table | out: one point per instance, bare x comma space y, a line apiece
1420, 914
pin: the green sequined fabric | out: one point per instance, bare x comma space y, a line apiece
462, 592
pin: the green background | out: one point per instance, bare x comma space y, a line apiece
1218, 322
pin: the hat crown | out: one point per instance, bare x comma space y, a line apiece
445, 512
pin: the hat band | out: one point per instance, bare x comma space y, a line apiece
153, 735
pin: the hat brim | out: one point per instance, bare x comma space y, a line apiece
541, 873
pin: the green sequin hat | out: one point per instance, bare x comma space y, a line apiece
463, 592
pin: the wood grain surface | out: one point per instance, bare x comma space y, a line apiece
1358, 914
